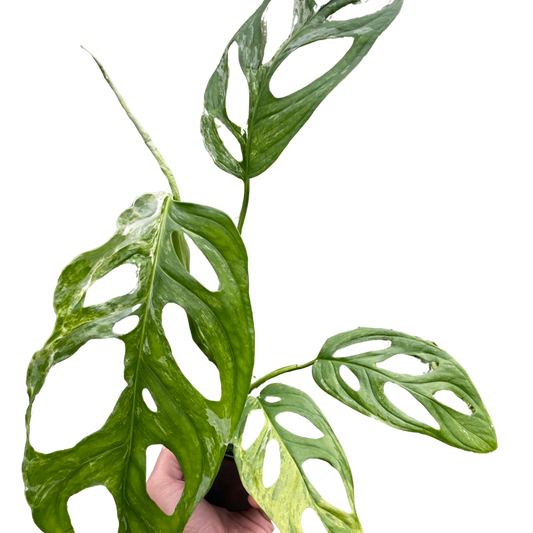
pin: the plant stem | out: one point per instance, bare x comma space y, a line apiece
244, 208
278, 372
144, 134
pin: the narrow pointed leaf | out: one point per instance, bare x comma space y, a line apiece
273, 122
292, 493
473, 432
149, 235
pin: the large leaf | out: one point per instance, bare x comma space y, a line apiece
292, 493
273, 122
473, 432
149, 235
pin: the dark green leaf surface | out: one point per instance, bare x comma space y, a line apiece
473, 432
196, 430
292, 493
273, 122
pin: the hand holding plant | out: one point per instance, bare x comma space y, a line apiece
159, 405
165, 486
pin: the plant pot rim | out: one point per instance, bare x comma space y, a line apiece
229, 451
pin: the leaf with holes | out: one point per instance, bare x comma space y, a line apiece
473, 432
150, 236
292, 493
273, 122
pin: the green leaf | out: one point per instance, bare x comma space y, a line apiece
292, 493
473, 432
150, 236
273, 122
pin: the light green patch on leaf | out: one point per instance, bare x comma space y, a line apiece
292, 493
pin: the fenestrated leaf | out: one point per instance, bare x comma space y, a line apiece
273, 122
473, 432
149, 235
293, 493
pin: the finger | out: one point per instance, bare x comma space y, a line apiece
168, 464
252, 502
255, 505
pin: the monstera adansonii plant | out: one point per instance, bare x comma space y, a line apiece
151, 235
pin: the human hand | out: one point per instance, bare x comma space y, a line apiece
165, 486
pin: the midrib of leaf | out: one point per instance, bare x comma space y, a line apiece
142, 336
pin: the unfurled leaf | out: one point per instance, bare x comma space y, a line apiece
292, 493
196, 430
273, 122
473, 432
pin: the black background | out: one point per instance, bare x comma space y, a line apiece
366, 219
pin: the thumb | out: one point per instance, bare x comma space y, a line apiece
252, 502
255, 505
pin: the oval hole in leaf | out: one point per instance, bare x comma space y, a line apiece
232, 145
455, 401
298, 425
361, 347
254, 424
237, 96
127, 325
121, 280
169, 503
311, 522
306, 64
195, 366
407, 403
93, 509
272, 464
152, 454
201, 268
328, 482
369, 6
78, 396
147, 397
345, 373
272, 399
405, 364
278, 17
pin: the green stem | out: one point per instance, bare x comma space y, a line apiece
144, 134
278, 372
244, 208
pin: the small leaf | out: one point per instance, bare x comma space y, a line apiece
150, 236
473, 432
273, 122
292, 493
